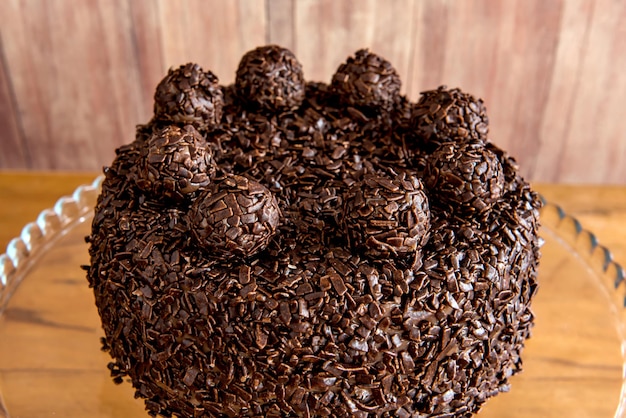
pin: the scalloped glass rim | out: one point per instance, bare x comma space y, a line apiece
23, 252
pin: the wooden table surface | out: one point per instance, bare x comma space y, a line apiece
569, 359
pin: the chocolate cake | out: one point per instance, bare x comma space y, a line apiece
280, 248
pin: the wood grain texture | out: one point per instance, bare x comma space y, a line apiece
20, 68
77, 95
430, 23
13, 152
597, 138
327, 31
214, 33
566, 80
551, 72
145, 38
280, 21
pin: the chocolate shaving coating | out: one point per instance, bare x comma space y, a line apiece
387, 217
367, 81
467, 176
444, 115
175, 163
270, 78
234, 218
299, 323
189, 96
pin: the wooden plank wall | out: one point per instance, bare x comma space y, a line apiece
77, 76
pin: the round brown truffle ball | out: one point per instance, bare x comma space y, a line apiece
189, 95
387, 217
175, 163
449, 115
236, 217
367, 81
270, 78
466, 176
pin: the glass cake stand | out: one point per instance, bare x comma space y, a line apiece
51, 363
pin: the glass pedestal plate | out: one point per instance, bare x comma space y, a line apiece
51, 363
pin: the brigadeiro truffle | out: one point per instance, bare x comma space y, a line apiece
449, 115
175, 163
270, 78
366, 81
387, 217
189, 95
236, 217
465, 176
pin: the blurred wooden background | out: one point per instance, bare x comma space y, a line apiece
77, 76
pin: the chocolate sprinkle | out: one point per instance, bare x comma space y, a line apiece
175, 163
189, 96
270, 78
466, 175
387, 217
236, 217
444, 115
324, 263
367, 81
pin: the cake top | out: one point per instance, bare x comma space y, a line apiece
313, 249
